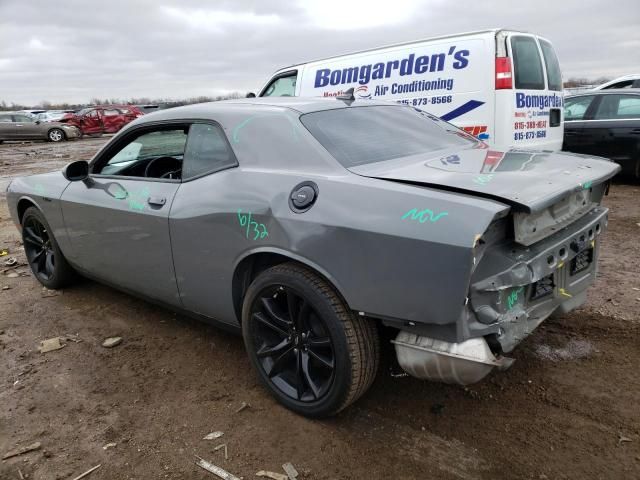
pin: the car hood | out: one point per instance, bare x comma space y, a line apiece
525, 179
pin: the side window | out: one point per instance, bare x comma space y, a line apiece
155, 154
22, 119
618, 107
527, 64
625, 84
554, 77
111, 112
282, 87
576, 107
207, 151
92, 114
5, 119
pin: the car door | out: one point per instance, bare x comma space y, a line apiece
117, 220
7, 127
91, 122
616, 127
26, 128
112, 119
576, 110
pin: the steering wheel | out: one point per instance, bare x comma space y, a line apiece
163, 167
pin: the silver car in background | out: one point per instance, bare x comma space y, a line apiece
20, 126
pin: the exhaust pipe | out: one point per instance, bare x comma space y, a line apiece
459, 363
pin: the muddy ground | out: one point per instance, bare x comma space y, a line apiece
568, 408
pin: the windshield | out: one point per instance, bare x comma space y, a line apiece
357, 136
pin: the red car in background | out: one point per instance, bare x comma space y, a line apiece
101, 119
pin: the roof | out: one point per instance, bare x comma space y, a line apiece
297, 104
608, 91
402, 44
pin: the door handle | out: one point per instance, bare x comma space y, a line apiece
19, 125
571, 133
157, 201
635, 131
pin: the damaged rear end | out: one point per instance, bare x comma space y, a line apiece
538, 259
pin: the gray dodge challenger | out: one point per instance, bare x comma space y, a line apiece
316, 227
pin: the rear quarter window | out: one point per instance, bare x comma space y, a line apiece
527, 63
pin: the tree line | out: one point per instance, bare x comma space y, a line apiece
163, 102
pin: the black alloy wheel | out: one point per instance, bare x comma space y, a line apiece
312, 352
293, 345
37, 246
44, 256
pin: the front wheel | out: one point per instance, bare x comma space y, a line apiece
56, 135
310, 351
43, 253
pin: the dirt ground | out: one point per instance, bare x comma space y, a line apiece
568, 408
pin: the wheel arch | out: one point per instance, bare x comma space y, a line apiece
23, 204
254, 262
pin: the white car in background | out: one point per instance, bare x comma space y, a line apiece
627, 81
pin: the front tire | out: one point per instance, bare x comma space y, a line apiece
43, 253
313, 354
56, 135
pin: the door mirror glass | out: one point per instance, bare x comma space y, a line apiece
251, 95
76, 171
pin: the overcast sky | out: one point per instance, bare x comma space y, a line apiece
75, 50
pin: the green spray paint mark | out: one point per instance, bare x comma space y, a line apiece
483, 179
258, 230
137, 200
587, 185
423, 215
120, 194
39, 189
512, 299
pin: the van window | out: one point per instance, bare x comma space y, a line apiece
282, 87
554, 77
527, 64
362, 135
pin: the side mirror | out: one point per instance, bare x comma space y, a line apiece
76, 171
38, 122
251, 95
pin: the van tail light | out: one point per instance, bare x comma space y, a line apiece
503, 73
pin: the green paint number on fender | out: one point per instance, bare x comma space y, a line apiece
253, 230
424, 216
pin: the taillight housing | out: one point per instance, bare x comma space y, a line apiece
504, 80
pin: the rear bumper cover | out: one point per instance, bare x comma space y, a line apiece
550, 275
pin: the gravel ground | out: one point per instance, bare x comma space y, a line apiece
568, 408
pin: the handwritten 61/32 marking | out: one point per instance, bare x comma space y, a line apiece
258, 229
424, 216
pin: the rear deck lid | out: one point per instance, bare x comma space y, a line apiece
528, 180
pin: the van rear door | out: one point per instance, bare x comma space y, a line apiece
529, 102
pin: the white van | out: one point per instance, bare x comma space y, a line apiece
503, 86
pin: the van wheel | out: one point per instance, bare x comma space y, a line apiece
43, 253
311, 352
56, 135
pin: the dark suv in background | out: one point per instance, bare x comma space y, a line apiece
605, 123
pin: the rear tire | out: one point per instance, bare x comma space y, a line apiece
56, 135
43, 253
313, 354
